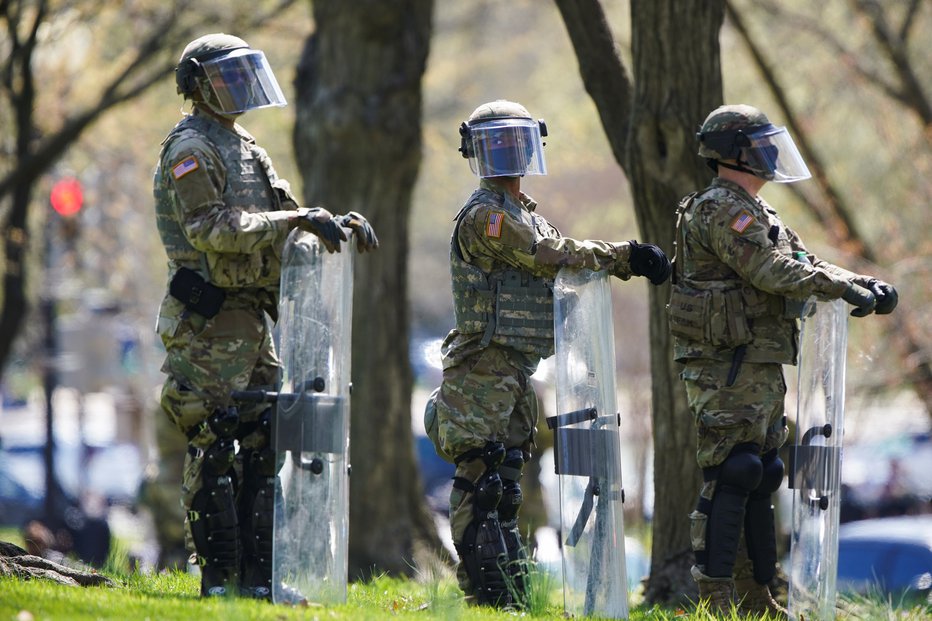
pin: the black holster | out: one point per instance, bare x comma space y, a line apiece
197, 294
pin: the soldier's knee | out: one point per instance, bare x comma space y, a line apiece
772, 473
217, 432
742, 469
511, 471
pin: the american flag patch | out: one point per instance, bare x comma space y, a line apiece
493, 228
185, 166
742, 222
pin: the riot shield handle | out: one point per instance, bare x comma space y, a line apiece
571, 418
255, 396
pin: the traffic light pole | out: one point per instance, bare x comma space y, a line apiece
48, 309
49, 382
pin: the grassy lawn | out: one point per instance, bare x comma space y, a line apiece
171, 596
175, 596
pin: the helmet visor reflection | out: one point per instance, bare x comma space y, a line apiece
506, 148
773, 152
243, 81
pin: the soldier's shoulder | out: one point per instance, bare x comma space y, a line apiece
188, 144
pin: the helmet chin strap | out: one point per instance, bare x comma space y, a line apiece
206, 103
738, 167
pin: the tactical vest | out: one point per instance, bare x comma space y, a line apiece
712, 310
507, 306
249, 177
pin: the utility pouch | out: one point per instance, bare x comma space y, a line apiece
713, 316
688, 312
196, 293
728, 323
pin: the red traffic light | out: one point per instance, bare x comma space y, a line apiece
67, 196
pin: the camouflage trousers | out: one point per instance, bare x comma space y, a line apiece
748, 411
486, 398
207, 360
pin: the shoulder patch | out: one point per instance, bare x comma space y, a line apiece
742, 222
493, 225
185, 166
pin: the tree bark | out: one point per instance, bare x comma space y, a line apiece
650, 122
358, 144
14, 561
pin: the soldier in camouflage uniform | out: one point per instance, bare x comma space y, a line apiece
739, 283
504, 257
223, 216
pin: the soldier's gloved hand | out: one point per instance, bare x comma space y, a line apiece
365, 234
856, 295
321, 223
886, 295
650, 261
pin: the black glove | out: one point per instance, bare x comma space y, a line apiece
365, 234
856, 295
886, 296
321, 223
650, 261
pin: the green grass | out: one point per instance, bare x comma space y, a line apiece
174, 596
170, 596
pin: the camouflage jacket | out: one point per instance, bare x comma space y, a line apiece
740, 277
500, 238
221, 209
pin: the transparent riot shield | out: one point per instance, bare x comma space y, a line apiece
815, 460
310, 429
587, 447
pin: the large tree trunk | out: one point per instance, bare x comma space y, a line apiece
650, 123
358, 142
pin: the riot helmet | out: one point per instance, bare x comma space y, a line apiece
231, 77
744, 135
501, 139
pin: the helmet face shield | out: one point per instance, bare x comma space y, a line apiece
243, 80
509, 147
774, 156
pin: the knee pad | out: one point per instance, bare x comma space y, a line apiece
511, 470
759, 525
738, 475
772, 469
215, 530
512, 498
483, 550
257, 498
220, 454
741, 470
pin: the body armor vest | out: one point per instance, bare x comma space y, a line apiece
508, 306
249, 176
712, 310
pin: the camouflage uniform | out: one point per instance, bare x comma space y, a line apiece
504, 257
221, 211
741, 279
740, 282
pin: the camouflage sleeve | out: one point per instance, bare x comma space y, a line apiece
499, 234
831, 268
741, 239
198, 177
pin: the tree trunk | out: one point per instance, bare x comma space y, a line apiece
358, 144
650, 123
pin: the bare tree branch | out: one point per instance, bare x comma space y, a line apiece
600, 66
835, 215
909, 20
894, 47
849, 57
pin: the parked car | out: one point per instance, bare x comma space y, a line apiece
891, 556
